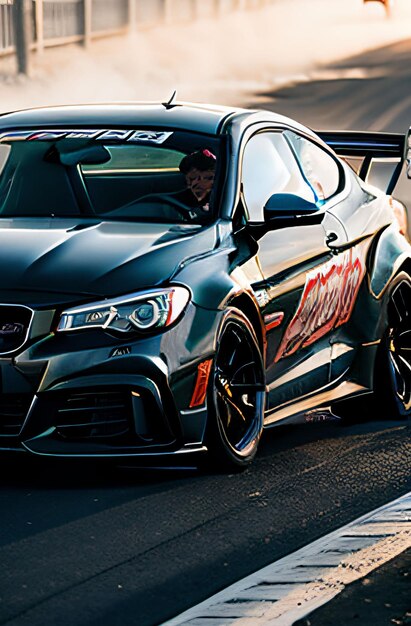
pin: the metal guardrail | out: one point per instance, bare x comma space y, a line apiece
58, 22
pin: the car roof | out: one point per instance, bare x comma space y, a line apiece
204, 118
201, 118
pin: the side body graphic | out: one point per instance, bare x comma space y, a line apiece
327, 300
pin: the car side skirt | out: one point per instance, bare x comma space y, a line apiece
296, 412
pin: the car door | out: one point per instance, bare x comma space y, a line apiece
341, 277
293, 261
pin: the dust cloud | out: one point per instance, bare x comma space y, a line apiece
226, 60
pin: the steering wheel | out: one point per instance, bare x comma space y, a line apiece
176, 204
181, 208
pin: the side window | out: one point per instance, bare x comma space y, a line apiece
269, 167
319, 167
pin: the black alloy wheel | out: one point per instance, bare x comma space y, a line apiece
393, 376
236, 396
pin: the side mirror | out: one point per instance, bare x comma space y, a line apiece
288, 205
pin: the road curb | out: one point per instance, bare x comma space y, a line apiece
296, 585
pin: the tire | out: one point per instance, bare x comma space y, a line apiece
392, 388
236, 397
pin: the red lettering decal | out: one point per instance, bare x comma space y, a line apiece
327, 300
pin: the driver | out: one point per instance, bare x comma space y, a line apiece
199, 171
192, 202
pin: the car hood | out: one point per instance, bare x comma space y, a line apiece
103, 259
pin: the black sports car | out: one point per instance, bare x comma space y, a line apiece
176, 277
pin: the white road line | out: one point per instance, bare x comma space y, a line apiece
292, 587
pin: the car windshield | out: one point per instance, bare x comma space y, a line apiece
150, 175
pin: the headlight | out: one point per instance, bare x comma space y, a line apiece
143, 311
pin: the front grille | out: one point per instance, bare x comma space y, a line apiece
94, 415
15, 322
13, 411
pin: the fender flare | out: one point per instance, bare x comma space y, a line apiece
391, 255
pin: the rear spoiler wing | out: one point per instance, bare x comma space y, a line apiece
372, 147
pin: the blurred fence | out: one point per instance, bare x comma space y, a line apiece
6, 27
58, 22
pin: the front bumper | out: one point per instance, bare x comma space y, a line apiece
88, 394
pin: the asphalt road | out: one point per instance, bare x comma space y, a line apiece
95, 545
88, 544
369, 91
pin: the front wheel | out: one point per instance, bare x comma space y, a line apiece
236, 396
393, 365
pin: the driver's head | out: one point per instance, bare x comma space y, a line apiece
199, 170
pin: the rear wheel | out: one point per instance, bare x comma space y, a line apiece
236, 396
393, 366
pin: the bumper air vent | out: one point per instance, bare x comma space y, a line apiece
94, 415
13, 411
